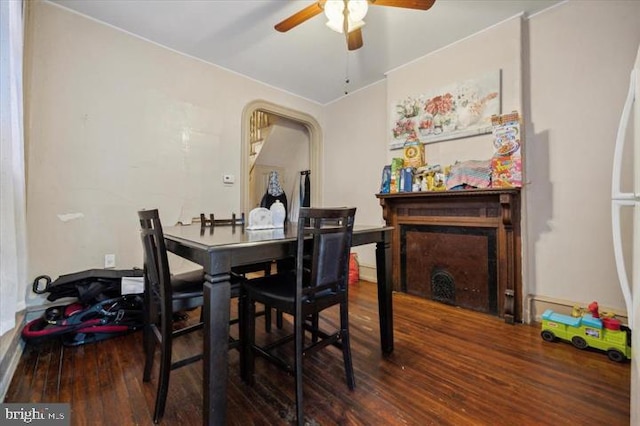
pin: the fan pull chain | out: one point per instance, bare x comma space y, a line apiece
345, 23
346, 77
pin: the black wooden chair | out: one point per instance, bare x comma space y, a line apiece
304, 293
164, 295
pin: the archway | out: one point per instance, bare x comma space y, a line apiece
315, 147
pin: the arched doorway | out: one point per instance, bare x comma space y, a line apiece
315, 147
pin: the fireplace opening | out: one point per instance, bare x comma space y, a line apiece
443, 288
456, 265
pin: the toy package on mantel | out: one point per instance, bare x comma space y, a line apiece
506, 163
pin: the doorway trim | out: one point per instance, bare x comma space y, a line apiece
315, 147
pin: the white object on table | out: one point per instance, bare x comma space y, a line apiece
260, 218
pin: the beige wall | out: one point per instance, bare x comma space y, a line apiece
580, 57
354, 146
116, 124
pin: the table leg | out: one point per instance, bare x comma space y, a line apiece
385, 304
216, 348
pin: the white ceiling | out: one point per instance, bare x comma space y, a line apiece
310, 60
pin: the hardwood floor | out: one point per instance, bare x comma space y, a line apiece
450, 367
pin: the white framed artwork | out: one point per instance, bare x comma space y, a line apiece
456, 111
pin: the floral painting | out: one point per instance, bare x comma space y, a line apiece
460, 110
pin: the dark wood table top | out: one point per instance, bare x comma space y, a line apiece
225, 237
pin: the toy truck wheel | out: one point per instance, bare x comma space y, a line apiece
548, 336
615, 355
579, 342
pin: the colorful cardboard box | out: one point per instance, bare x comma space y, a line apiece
506, 163
396, 168
414, 154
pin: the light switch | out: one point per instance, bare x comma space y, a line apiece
228, 178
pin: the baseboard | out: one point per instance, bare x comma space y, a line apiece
10, 357
538, 304
368, 273
534, 307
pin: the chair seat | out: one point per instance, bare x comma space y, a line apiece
187, 290
187, 282
279, 290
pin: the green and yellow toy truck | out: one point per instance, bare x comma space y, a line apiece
589, 331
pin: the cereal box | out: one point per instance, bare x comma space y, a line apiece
506, 163
396, 167
414, 153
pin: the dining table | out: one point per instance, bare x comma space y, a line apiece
218, 249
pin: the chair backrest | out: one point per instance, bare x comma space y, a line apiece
212, 221
331, 230
156, 262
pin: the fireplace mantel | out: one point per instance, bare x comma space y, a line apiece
471, 235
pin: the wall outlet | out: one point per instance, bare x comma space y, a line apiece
109, 260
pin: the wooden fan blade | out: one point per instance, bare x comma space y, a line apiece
301, 16
354, 39
407, 4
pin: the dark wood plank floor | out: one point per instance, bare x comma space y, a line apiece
450, 367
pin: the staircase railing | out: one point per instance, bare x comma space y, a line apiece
259, 124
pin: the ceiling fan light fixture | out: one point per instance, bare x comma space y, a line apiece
334, 11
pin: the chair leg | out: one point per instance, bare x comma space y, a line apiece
315, 323
267, 309
281, 266
148, 352
346, 345
267, 318
148, 339
247, 339
165, 367
299, 346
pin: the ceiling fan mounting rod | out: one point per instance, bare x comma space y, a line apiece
345, 21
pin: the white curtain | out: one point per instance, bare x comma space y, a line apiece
13, 256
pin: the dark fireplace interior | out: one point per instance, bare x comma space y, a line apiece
456, 265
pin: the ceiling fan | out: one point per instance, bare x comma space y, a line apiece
346, 16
